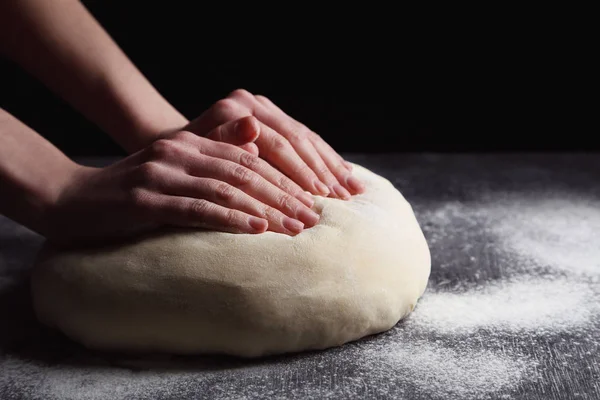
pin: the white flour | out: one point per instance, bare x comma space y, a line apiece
534, 305
487, 336
557, 233
560, 235
464, 370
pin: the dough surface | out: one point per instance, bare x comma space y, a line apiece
359, 271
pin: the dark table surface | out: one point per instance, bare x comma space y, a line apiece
512, 309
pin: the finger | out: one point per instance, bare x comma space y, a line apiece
227, 109
327, 147
180, 159
219, 113
254, 163
235, 107
277, 150
250, 148
241, 132
298, 159
267, 103
201, 213
254, 185
223, 194
297, 135
338, 168
311, 156
238, 132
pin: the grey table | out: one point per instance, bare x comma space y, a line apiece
512, 309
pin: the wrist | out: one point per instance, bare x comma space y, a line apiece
50, 202
135, 114
143, 133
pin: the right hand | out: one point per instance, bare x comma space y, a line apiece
285, 143
182, 179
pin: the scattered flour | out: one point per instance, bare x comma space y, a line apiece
536, 305
397, 366
559, 237
560, 232
563, 234
63, 382
463, 370
461, 342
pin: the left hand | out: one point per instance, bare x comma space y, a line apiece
286, 143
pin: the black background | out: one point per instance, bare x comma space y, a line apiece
377, 87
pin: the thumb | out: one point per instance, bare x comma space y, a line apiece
238, 132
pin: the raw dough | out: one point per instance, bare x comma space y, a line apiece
358, 272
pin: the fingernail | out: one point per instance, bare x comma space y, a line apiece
309, 217
258, 224
306, 199
321, 188
293, 225
348, 165
355, 184
341, 192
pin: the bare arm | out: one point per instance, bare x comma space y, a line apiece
60, 43
181, 179
32, 173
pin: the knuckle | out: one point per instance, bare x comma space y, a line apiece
138, 197
297, 134
219, 147
263, 99
248, 160
224, 191
183, 136
242, 175
240, 93
149, 171
226, 106
284, 183
203, 145
162, 149
231, 216
284, 202
270, 214
200, 207
278, 143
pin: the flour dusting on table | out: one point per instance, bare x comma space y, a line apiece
532, 304
465, 370
538, 306
557, 233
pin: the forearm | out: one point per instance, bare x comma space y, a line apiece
61, 43
32, 173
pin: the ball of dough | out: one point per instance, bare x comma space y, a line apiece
359, 271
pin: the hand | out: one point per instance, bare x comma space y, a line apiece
184, 180
286, 143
